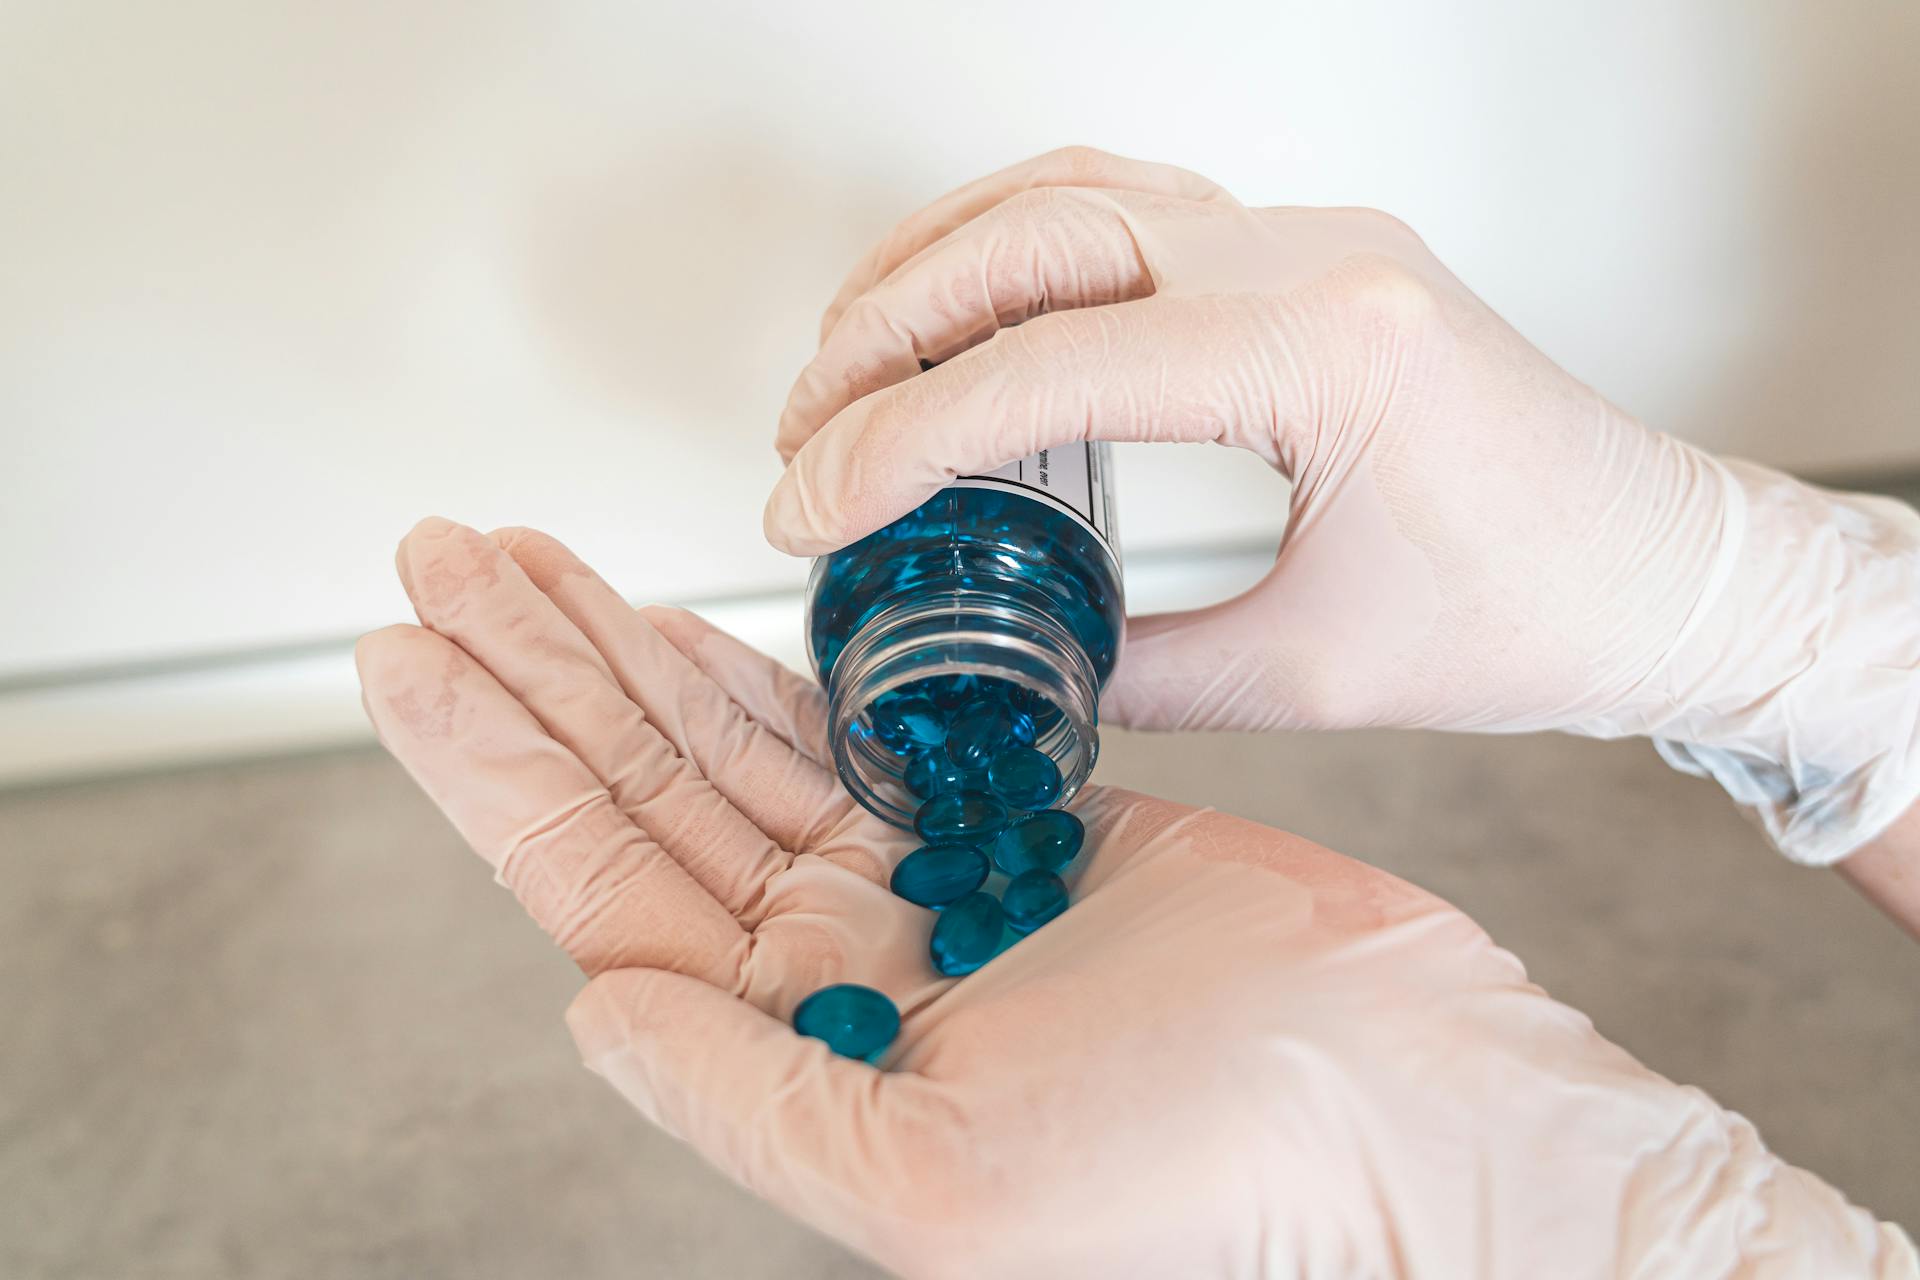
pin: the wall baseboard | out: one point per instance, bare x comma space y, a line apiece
65, 725
307, 697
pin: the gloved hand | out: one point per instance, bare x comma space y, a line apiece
1476, 539
1236, 1054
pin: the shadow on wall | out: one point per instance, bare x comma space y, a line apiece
670, 277
1832, 353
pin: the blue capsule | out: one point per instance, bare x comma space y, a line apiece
855, 1021
1047, 840
978, 731
936, 874
1043, 712
949, 693
961, 817
930, 774
1032, 898
887, 735
967, 934
1024, 778
913, 720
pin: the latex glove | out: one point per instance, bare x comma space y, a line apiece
1236, 1054
1476, 540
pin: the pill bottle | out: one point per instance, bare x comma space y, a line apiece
1002, 590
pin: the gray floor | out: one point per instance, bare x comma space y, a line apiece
272, 1019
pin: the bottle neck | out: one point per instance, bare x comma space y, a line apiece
962, 632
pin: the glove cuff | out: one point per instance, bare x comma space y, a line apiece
1797, 684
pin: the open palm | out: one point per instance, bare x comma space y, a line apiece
1237, 1053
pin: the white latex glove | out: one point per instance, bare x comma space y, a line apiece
1236, 1054
1476, 539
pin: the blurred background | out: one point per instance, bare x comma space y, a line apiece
278, 279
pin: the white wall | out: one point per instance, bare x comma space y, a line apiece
277, 278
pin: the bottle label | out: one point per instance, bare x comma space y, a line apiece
1071, 477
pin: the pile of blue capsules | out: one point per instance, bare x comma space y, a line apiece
994, 846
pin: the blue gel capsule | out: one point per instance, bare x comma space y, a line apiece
967, 934
855, 1021
1041, 712
961, 817
949, 693
1032, 898
936, 874
931, 774
913, 720
1024, 778
993, 688
1021, 698
978, 730
887, 735
1047, 840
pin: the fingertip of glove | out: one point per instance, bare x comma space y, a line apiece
604, 1016
784, 524
428, 527
376, 651
595, 1032
507, 536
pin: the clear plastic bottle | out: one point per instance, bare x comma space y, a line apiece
1004, 588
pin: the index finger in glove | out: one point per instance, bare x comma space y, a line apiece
1043, 249
608, 894
1065, 167
1177, 369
